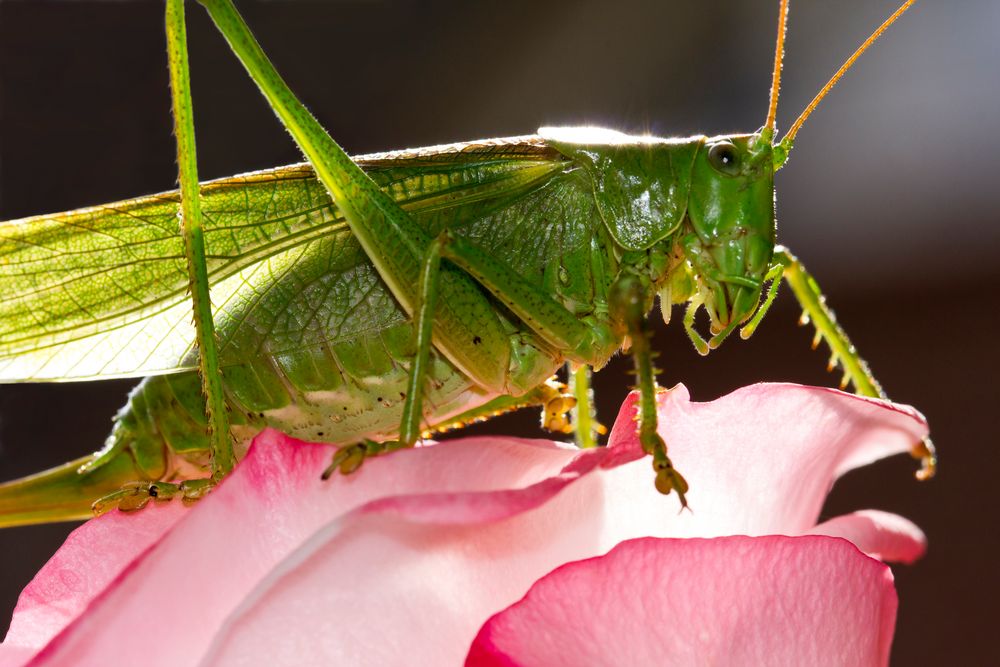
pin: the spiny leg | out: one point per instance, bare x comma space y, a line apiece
843, 352
394, 242
136, 495
223, 459
773, 278
547, 318
467, 329
349, 458
409, 428
397, 246
628, 301
586, 342
555, 403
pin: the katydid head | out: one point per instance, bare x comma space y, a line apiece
729, 231
729, 235
695, 215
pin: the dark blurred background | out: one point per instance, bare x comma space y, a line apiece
890, 197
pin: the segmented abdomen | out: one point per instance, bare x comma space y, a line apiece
339, 394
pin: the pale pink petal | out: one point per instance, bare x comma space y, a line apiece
450, 573
15, 656
408, 556
726, 601
408, 581
761, 460
208, 564
879, 534
91, 557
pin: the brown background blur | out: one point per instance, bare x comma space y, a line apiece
890, 197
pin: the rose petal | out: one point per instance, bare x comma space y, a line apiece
449, 574
879, 534
761, 460
274, 501
276, 560
92, 556
410, 581
730, 600
15, 656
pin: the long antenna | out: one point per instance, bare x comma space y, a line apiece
779, 60
788, 138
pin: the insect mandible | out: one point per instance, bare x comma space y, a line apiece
445, 284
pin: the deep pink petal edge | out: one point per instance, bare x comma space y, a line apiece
882, 535
728, 600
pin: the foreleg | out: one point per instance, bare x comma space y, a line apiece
628, 302
843, 352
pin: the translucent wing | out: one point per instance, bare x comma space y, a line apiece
102, 292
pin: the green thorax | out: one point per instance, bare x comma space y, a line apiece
641, 184
696, 211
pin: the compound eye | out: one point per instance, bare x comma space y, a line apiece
724, 157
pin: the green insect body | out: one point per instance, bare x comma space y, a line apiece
340, 323
330, 363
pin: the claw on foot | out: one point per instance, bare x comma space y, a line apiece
927, 454
556, 405
555, 416
667, 477
193, 490
349, 458
134, 496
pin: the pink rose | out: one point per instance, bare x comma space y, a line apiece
425, 553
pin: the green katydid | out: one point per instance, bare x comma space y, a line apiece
411, 302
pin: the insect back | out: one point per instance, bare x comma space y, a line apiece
698, 211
